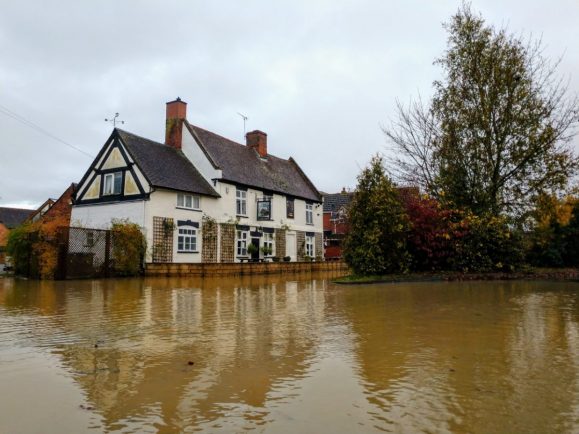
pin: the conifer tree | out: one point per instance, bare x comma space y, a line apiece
378, 226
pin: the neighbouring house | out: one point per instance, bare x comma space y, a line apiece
335, 222
53, 209
200, 197
335, 218
41, 210
9, 219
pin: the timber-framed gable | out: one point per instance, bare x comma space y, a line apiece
114, 158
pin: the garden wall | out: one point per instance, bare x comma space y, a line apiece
239, 269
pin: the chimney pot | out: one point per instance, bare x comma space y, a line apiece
257, 140
176, 114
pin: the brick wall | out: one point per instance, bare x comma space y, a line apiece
280, 243
227, 242
337, 268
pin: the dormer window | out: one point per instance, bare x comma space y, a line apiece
113, 183
188, 201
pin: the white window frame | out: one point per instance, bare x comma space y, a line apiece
188, 201
109, 183
269, 241
310, 246
187, 239
241, 202
241, 239
309, 213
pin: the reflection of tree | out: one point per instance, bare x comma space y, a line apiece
466, 357
243, 340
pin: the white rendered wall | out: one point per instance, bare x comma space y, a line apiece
99, 216
196, 155
163, 203
224, 210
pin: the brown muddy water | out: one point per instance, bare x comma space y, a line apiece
288, 356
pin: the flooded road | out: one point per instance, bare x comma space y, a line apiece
267, 354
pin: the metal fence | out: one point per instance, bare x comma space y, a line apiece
84, 253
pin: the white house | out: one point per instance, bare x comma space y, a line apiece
201, 197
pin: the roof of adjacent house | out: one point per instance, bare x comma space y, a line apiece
335, 201
165, 166
12, 217
243, 165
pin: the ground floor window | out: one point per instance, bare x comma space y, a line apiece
242, 243
268, 244
187, 241
310, 243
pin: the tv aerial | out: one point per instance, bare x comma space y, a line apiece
245, 118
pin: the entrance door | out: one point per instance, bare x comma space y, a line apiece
290, 245
255, 254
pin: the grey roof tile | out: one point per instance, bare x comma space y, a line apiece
241, 164
334, 201
165, 166
12, 217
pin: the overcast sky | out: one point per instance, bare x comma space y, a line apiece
319, 77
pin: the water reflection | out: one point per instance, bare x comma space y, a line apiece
268, 354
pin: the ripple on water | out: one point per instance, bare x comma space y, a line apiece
266, 354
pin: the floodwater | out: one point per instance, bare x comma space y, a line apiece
281, 355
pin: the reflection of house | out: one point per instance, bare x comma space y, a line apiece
149, 334
335, 224
9, 219
201, 197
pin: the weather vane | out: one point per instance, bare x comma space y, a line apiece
114, 120
245, 118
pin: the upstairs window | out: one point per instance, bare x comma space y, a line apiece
309, 213
113, 183
187, 240
289, 203
241, 202
188, 201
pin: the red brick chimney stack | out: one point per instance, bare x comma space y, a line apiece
258, 141
176, 114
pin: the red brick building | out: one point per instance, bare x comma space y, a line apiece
335, 222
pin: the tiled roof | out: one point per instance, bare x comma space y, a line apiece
241, 164
165, 166
12, 217
333, 202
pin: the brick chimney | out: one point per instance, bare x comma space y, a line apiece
257, 140
176, 114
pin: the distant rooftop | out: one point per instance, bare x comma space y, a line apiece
12, 217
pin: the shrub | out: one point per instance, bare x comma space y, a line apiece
434, 233
128, 247
19, 246
487, 244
